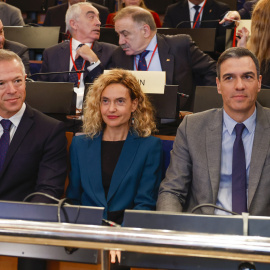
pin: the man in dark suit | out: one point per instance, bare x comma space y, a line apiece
55, 16
35, 159
16, 47
183, 15
185, 64
221, 156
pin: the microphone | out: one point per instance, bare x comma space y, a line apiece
179, 24
57, 72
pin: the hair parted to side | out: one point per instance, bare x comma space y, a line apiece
93, 124
260, 35
6, 55
138, 15
237, 52
74, 12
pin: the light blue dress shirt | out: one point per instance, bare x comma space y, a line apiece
155, 64
224, 198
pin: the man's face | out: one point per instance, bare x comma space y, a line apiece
87, 27
132, 37
72, 2
2, 36
12, 88
239, 87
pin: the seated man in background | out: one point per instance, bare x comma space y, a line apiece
185, 64
10, 15
55, 16
82, 52
221, 156
198, 14
20, 49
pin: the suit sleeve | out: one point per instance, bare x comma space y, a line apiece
53, 165
246, 11
74, 189
174, 188
147, 191
16, 18
24, 55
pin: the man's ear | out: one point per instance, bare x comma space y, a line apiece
73, 24
218, 85
146, 30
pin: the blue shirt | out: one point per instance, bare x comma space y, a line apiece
155, 64
224, 198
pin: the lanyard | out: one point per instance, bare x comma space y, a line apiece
78, 74
149, 61
194, 24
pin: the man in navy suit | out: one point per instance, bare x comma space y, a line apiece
84, 25
55, 16
35, 160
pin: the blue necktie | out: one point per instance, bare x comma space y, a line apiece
4, 141
239, 192
142, 63
73, 77
197, 8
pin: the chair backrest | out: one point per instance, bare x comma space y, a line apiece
69, 136
207, 97
167, 145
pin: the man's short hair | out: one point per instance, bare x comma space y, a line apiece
6, 55
74, 12
138, 15
237, 52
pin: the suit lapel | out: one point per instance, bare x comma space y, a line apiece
166, 59
213, 149
24, 126
65, 59
94, 170
259, 152
124, 163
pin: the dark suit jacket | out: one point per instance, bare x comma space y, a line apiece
213, 10
246, 11
36, 160
57, 58
185, 64
55, 16
193, 175
135, 180
21, 50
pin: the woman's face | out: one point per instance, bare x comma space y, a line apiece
116, 106
132, 2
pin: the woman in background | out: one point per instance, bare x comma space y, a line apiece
259, 42
117, 163
125, 3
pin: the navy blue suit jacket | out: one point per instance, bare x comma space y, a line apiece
135, 181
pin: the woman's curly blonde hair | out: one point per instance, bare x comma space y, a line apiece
143, 117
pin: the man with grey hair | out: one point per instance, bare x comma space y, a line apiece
55, 16
185, 64
221, 156
82, 52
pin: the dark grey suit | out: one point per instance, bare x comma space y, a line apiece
185, 64
57, 58
21, 50
194, 172
10, 15
36, 159
246, 11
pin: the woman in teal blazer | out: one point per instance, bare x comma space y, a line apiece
117, 163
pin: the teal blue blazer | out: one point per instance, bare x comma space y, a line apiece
135, 181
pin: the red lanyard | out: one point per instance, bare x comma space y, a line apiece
194, 24
78, 74
149, 61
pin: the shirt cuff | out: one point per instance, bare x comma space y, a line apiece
91, 67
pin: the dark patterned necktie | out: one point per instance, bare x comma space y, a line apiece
4, 141
239, 193
142, 62
197, 8
73, 77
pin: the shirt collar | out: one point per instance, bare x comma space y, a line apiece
76, 43
190, 5
16, 118
250, 123
151, 46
